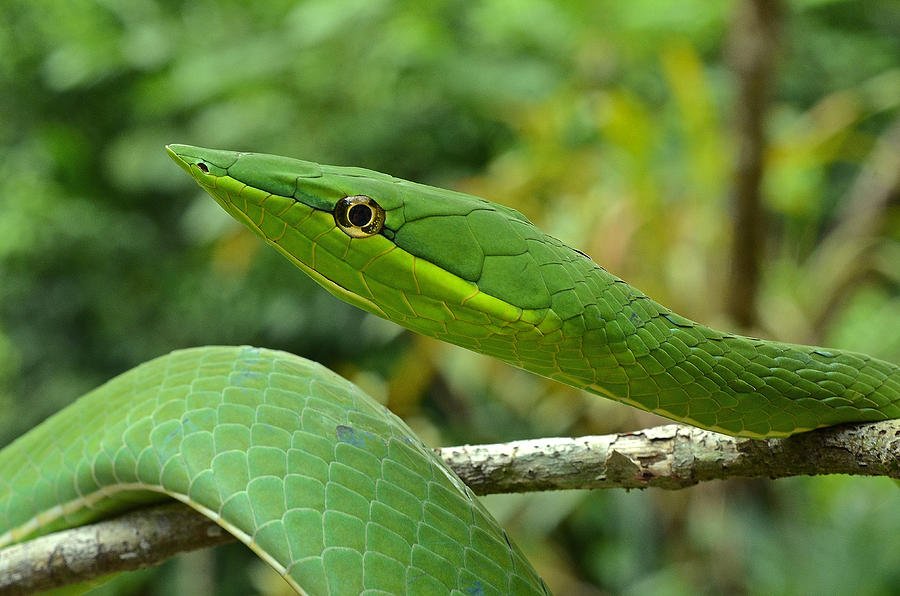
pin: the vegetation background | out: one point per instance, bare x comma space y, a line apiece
616, 126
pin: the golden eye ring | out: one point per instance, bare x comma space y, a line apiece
359, 216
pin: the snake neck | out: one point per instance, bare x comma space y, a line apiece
605, 336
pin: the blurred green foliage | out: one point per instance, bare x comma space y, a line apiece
607, 123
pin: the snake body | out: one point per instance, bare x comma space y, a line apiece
480, 275
332, 490
325, 485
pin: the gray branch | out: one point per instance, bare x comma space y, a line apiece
140, 538
673, 457
669, 457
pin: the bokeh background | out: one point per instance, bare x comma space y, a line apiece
616, 126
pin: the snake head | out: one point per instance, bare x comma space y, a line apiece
440, 262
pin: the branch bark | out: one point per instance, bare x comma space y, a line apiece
138, 539
673, 457
669, 457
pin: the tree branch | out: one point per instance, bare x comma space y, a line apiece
140, 538
670, 457
673, 457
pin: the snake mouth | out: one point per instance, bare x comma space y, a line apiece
326, 282
189, 160
173, 151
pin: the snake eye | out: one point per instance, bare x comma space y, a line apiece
359, 216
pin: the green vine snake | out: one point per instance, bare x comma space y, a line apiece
329, 488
